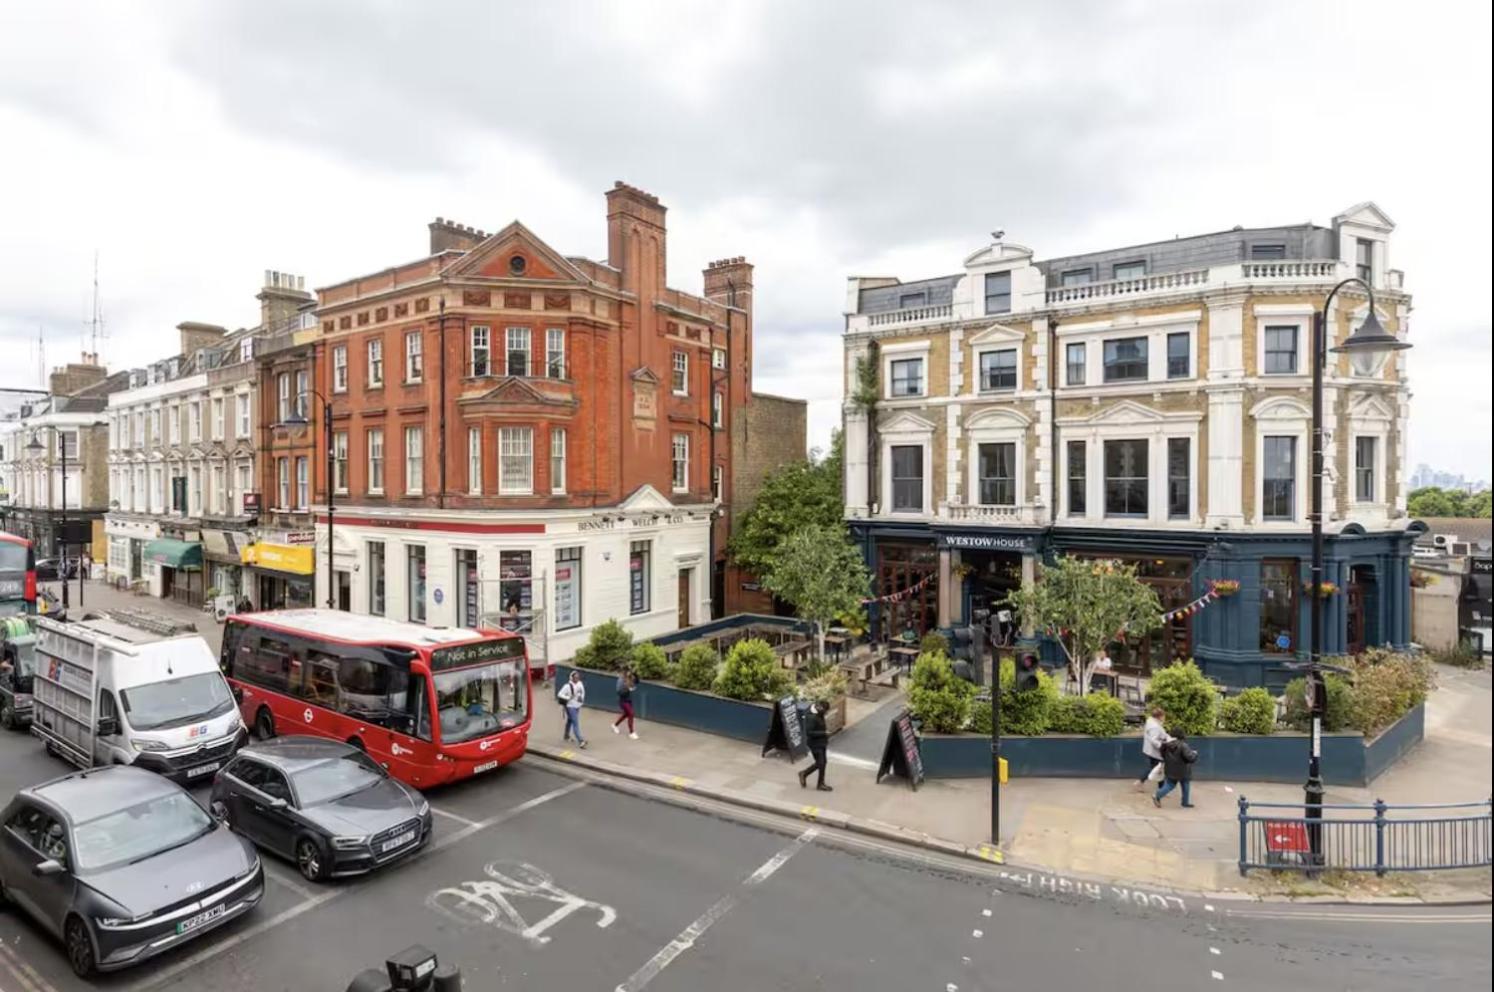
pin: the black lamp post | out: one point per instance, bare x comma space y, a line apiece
298, 419
36, 448
1367, 348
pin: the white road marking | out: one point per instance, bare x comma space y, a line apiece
165, 975
487, 901
452, 816
1359, 917
1216, 976
1213, 950
853, 761
1208, 907
30, 979
985, 912
706, 920
281, 876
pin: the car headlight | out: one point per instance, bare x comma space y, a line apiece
145, 744
114, 922
349, 843
424, 808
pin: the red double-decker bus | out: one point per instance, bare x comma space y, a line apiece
17, 575
433, 704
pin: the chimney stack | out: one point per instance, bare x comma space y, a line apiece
636, 235
75, 376
728, 281
283, 296
448, 235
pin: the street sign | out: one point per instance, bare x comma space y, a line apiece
786, 733
901, 754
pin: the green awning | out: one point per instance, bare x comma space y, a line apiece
173, 553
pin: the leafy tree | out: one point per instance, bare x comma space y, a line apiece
1430, 501
798, 495
819, 570
1084, 604
1481, 504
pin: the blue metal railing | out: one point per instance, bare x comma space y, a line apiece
1379, 838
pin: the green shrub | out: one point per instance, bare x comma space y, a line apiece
1097, 714
1458, 656
934, 642
609, 647
649, 661
1187, 697
826, 687
1386, 685
752, 671
1026, 714
980, 715
697, 667
1335, 715
937, 697
1251, 712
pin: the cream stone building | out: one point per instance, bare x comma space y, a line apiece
1150, 403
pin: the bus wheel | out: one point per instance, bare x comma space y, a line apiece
358, 743
264, 724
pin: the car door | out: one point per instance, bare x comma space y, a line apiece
32, 835
18, 854
236, 785
277, 822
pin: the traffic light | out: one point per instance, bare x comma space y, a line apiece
1027, 672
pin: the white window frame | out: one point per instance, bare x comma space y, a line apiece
303, 482
718, 481
282, 483
1281, 416
283, 397
679, 372
243, 420
1128, 420
303, 394
902, 352
375, 352
414, 452
512, 335
679, 462
374, 443
555, 353
194, 419
340, 369
1377, 493
980, 376
414, 356
484, 334
220, 425
513, 438
340, 462
1298, 315
1155, 329
907, 430
474, 461
557, 460
994, 427
718, 409
718, 358
1369, 416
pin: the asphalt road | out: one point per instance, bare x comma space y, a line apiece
538, 881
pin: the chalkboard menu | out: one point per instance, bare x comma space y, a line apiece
786, 733
900, 754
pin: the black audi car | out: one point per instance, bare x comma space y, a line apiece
122, 864
325, 805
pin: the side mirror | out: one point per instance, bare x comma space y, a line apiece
238, 694
51, 866
108, 726
275, 802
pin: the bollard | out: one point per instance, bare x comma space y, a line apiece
448, 978
1242, 836
370, 980
1380, 837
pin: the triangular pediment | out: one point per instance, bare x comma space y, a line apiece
1370, 408
494, 258
644, 374
645, 498
997, 334
1366, 214
906, 422
517, 391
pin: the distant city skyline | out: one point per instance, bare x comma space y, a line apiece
1424, 475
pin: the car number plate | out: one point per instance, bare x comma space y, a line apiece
486, 766
203, 769
399, 841
193, 922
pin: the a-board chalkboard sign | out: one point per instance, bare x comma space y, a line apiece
787, 731
900, 755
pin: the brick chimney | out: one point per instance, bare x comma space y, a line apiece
75, 376
195, 335
282, 297
635, 235
728, 281
447, 235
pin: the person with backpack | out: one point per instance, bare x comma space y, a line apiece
572, 696
1177, 767
626, 683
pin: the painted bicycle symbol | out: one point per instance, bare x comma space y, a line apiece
488, 901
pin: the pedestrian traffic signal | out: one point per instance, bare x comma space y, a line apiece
1027, 672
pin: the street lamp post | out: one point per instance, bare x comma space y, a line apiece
1367, 348
36, 447
298, 419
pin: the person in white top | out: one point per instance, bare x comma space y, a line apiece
573, 695
1153, 736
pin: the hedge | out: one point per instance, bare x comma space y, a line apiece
1253, 711
1097, 714
696, 668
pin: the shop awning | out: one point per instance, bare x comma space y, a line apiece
219, 544
173, 553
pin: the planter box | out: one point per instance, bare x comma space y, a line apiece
657, 701
1347, 758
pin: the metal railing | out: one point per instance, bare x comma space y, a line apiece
1379, 837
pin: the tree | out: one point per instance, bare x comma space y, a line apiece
820, 571
798, 495
1430, 501
1480, 505
1086, 604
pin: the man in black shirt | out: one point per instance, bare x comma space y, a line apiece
819, 736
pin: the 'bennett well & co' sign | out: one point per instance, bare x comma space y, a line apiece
987, 542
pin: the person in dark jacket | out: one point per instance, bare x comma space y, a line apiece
819, 736
626, 683
1177, 766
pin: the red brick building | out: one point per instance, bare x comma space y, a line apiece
532, 437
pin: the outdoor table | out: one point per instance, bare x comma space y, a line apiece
836, 644
904, 656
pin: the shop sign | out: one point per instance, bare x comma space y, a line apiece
300, 537
1483, 566
280, 557
987, 542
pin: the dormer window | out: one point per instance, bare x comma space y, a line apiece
910, 300
998, 292
1077, 277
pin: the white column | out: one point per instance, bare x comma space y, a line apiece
1226, 412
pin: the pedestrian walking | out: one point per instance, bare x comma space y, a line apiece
626, 683
572, 696
819, 736
1153, 736
1177, 766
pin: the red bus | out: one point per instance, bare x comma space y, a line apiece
434, 705
17, 575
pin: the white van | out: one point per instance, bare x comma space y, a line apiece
107, 692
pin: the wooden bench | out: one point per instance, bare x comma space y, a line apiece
865, 671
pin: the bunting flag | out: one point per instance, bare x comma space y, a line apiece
897, 597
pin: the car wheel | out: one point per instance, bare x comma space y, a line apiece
264, 724
79, 947
7, 715
309, 860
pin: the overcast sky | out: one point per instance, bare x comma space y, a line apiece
194, 146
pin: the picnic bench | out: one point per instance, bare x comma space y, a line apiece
864, 670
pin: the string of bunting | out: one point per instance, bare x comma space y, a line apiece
896, 597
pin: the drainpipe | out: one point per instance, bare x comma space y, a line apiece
441, 496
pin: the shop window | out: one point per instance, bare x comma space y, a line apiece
1279, 605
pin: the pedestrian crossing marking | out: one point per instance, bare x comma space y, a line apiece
568, 755
992, 854
809, 812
